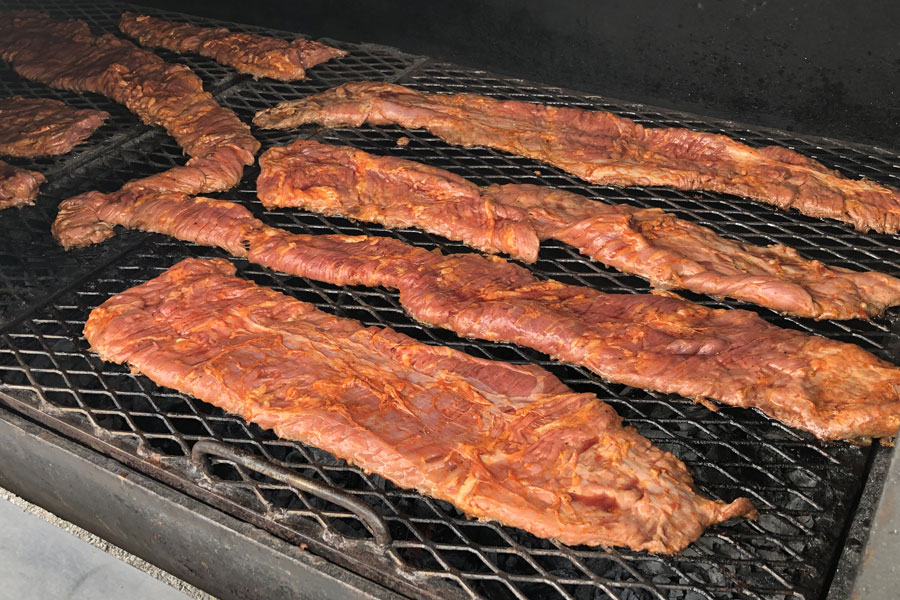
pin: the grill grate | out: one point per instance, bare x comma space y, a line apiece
806, 490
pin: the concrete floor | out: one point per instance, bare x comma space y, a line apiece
42, 556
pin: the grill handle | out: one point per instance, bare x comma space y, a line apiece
372, 520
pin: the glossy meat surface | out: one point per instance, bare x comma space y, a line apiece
44, 127
18, 186
658, 342
499, 441
669, 252
338, 180
257, 55
66, 55
604, 148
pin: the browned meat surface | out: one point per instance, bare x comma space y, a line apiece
670, 252
337, 180
503, 442
604, 148
43, 126
663, 343
66, 55
257, 55
18, 186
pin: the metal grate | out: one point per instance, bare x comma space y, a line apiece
32, 265
805, 489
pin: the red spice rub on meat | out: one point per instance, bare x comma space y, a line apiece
670, 252
257, 55
66, 55
18, 186
604, 148
44, 127
32, 127
499, 441
832, 389
337, 180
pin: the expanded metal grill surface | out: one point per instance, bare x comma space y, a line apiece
805, 489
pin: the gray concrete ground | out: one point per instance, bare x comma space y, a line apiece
43, 556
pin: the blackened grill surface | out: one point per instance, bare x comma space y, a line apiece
805, 490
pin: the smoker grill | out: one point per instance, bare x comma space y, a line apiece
217, 473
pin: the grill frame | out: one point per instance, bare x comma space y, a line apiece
90, 275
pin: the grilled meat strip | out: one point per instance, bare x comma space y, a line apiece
18, 186
604, 148
257, 55
499, 441
656, 342
32, 127
670, 252
44, 127
337, 180
66, 55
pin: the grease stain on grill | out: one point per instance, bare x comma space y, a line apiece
805, 489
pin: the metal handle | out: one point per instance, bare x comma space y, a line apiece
372, 520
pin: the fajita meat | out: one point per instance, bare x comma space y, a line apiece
657, 342
604, 148
257, 55
18, 186
32, 127
66, 55
670, 252
499, 441
44, 127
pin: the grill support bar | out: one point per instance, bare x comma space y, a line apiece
810, 490
207, 448
219, 554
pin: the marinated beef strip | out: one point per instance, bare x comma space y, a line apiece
18, 186
499, 441
670, 252
337, 180
604, 148
32, 127
257, 55
66, 55
658, 342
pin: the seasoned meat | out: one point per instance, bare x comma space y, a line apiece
337, 180
503, 442
658, 342
18, 186
66, 55
604, 148
670, 252
257, 55
44, 127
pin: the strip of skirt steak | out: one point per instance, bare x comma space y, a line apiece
604, 148
32, 127
66, 55
657, 342
669, 252
499, 441
257, 55
18, 186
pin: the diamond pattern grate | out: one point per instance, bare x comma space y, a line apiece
805, 490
